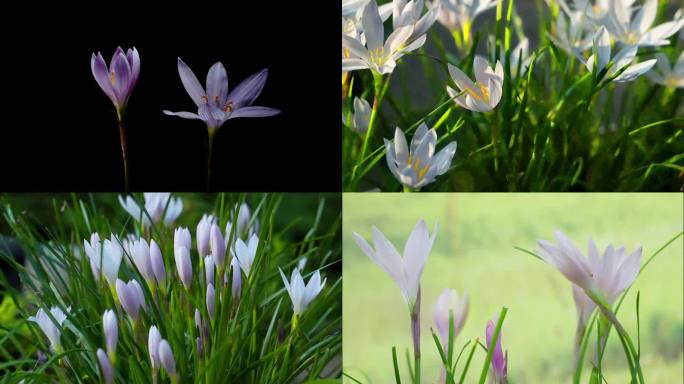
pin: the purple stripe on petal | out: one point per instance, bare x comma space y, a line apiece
217, 85
121, 77
254, 112
248, 90
101, 75
191, 84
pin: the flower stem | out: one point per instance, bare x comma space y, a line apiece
415, 333
122, 138
211, 132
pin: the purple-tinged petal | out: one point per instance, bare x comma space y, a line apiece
254, 112
248, 90
105, 366
120, 76
185, 115
134, 61
101, 75
498, 360
191, 84
217, 84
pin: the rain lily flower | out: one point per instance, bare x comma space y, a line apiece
407, 270
449, 301
215, 105
302, 263
120, 78
184, 266
131, 297
182, 238
157, 262
605, 277
211, 296
663, 74
349, 7
373, 55
408, 13
418, 165
166, 358
105, 366
482, 96
622, 60
202, 234
104, 257
217, 245
51, 328
499, 360
153, 341
111, 331
458, 15
572, 34
244, 216
636, 28
209, 269
245, 253
236, 286
140, 252
155, 205
302, 294
360, 118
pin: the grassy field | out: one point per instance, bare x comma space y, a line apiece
474, 251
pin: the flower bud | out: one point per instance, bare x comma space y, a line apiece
153, 346
211, 296
209, 269
111, 331
218, 246
106, 366
157, 262
184, 266
166, 357
203, 230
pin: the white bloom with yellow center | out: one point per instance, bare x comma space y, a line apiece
623, 60
634, 28
482, 96
663, 74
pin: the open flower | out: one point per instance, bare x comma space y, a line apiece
499, 360
606, 276
156, 205
664, 74
458, 15
407, 270
449, 301
372, 54
572, 31
104, 257
482, 96
622, 60
418, 165
215, 105
302, 294
409, 13
51, 328
120, 78
636, 29
245, 253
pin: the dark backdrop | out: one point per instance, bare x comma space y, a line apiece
59, 129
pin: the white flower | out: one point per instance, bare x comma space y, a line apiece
155, 204
131, 297
104, 257
302, 294
635, 29
663, 74
350, 7
373, 54
622, 59
203, 233
450, 301
51, 329
408, 13
140, 252
480, 97
519, 55
153, 340
458, 15
572, 34
110, 327
244, 217
361, 116
406, 271
417, 166
245, 253
606, 276
183, 265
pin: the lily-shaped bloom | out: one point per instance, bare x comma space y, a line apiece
157, 261
105, 366
360, 118
482, 96
215, 105
203, 234
605, 277
242, 221
449, 301
407, 270
499, 360
350, 7
409, 13
217, 245
572, 34
111, 331
302, 294
418, 165
246, 252
156, 205
51, 329
120, 78
458, 15
373, 55
153, 340
104, 257
663, 74
183, 265
636, 28
131, 297
140, 253
166, 359
622, 60
182, 238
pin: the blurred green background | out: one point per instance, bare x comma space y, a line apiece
474, 252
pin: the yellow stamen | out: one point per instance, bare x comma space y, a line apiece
113, 78
228, 107
483, 90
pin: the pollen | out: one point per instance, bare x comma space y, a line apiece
205, 99
228, 107
112, 77
484, 91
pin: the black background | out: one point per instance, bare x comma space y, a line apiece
59, 129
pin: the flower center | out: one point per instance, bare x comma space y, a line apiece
377, 56
415, 164
228, 107
484, 90
112, 78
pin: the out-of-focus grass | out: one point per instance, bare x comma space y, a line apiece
474, 251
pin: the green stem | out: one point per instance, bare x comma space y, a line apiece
211, 132
122, 139
415, 333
